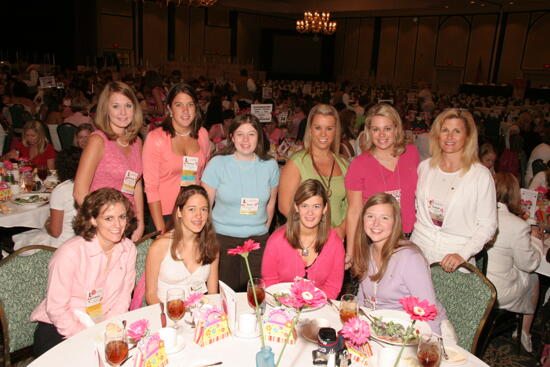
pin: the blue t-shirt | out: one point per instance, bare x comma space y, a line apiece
233, 180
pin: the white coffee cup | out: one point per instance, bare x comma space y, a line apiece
169, 336
247, 324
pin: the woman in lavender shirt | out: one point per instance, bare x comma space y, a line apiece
390, 267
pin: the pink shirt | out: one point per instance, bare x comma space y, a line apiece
114, 164
78, 267
78, 118
367, 175
275, 136
162, 168
282, 263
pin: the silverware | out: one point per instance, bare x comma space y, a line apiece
162, 315
443, 348
212, 364
334, 305
99, 361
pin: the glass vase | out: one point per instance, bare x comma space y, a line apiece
265, 357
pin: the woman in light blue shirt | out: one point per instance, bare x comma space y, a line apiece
242, 181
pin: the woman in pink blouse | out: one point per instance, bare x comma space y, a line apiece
306, 246
174, 154
91, 274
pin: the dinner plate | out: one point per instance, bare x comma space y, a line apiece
400, 317
456, 356
277, 289
31, 200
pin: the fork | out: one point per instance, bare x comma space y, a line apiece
443, 348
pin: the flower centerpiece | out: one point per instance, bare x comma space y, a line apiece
356, 333
418, 311
138, 330
303, 293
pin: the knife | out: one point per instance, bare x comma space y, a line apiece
162, 315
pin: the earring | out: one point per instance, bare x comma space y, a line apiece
171, 115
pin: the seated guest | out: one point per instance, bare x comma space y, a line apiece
388, 266
274, 134
218, 132
488, 156
513, 258
306, 246
187, 255
58, 227
34, 146
79, 109
99, 259
82, 133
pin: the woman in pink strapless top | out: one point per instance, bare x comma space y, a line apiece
112, 157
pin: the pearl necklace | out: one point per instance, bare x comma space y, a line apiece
184, 134
122, 145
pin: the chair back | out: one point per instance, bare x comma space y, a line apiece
23, 284
468, 299
66, 132
142, 246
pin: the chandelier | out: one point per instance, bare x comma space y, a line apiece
315, 22
183, 2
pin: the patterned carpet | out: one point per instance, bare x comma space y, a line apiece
502, 352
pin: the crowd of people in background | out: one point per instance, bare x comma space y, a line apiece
382, 181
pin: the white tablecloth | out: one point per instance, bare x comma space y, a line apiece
544, 267
25, 217
234, 352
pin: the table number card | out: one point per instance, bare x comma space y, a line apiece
229, 304
529, 202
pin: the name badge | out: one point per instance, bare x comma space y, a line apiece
437, 212
198, 286
189, 170
129, 184
93, 304
249, 206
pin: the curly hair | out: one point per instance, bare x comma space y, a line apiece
66, 163
96, 203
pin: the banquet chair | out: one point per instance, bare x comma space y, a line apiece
468, 298
23, 283
66, 132
142, 246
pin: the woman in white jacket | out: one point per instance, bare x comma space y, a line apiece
455, 195
513, 257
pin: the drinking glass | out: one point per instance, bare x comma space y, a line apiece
429, 351
116, 347
348, 307
42, 172
175, 306
259, 286
28, 181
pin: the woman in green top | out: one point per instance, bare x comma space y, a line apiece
320, 160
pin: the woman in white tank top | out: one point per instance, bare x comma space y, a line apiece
187, 255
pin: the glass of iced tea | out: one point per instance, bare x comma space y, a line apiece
259, 286
429, 351
348, 307
175, 306
116, 347
42, 172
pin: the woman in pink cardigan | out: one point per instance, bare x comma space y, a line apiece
306, 246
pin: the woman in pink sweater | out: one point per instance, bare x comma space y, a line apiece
306, 246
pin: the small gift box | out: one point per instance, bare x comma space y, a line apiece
277, 324
211, 326
359, 355
150, 352
5, 191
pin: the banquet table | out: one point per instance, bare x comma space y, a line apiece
80, 350
544, 267
25, 217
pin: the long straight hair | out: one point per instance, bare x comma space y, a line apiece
508, 193
363, 244
325, 110
197, 121
306, 190
208, 245
40, 131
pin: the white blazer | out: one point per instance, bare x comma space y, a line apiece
471, 218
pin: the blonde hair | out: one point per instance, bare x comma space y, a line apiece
308, 189
508, 193
40, 131
102, 121
469, 154
325, 110
385, 110
362, 248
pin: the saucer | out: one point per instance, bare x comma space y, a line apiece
176, 348
238, 334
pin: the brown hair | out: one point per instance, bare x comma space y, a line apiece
102, 112
96, 203
362, 249
208, 245
385, 110
306, 190
485, 149
40, 131
235, 124
507, 188
172, 94
469, 155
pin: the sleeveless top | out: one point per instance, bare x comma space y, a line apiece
113, 165
174, 274
338, 201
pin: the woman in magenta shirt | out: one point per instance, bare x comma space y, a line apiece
306, 246
387, 165
93, 273
174, 154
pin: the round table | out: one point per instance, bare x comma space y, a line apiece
25, 217
80, 350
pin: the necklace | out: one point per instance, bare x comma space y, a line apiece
184, 134
325, 183
305, 251
121, 144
